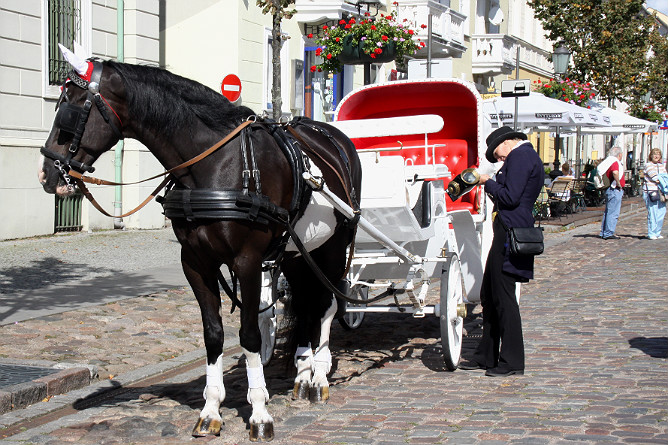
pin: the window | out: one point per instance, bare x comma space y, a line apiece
66, 22
269, 72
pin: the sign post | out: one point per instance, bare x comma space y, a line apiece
515, 88
231, 87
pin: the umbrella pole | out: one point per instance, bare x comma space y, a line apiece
557, 143
578, 147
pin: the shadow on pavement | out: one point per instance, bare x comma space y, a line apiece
653, 346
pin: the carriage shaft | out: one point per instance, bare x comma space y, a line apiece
318, 185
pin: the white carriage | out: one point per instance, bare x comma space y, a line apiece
413, 138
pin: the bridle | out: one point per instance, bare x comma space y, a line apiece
71, 120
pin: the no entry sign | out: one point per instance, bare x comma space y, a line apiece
231, 87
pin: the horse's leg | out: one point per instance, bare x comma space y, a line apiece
205, 288
249, 274
322, 359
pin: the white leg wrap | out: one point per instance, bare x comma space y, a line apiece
323, 360
256, 381
257, 395
304, 363
214, 391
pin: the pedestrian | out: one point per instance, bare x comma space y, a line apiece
514, 192
655, 200
614, 193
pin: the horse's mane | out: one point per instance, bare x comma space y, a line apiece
165, 101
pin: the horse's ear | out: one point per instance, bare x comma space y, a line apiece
80, 66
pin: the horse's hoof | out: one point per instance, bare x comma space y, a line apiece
207, 427
301, 391
261, 432
319, 394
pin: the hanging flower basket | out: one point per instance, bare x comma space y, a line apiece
366, 40
352, 54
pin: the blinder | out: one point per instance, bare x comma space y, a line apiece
67, 120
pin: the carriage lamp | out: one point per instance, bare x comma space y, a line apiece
463, 183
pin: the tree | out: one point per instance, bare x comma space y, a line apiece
279, 11
609, 40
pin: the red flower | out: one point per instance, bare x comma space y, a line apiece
367, 14
338, 39
342, 22
423, 26
310, 36
384, 38
373, 27
410, 31
378, 50
372, 55
352, 21
329, 56
313, 69
347, 26
325, 27
318, 51
422, 44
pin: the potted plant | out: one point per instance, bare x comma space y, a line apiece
570, 91
366, 41
647, 111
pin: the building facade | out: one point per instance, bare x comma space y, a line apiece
474, 40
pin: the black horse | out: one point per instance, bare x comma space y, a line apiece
230, 208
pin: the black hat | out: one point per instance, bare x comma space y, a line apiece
497, 137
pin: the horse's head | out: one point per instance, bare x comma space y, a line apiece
89, 120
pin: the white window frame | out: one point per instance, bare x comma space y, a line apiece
53, 91
267, 77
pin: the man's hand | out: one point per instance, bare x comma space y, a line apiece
483, 179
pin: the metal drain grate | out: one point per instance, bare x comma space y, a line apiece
15, 374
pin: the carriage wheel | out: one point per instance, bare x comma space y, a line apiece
452, 321
353, 320
267, 322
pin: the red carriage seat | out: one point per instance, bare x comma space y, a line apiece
456, 143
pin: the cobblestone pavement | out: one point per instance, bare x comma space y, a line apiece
595, 323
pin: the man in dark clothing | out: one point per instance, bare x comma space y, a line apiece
514, 192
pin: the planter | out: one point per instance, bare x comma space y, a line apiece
355, 55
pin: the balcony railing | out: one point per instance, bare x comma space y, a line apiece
447, 25
493, 54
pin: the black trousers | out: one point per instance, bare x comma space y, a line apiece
502, 344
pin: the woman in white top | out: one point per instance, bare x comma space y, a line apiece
654, 199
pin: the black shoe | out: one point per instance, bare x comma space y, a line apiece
499, 372
611, 237
470, 365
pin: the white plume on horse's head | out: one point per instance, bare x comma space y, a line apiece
79, 65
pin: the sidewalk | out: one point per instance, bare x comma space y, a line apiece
596, 364
588, 216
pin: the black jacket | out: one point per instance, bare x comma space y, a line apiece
514, 192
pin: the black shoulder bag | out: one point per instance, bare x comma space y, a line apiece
524, 241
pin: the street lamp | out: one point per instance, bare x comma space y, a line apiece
560, 58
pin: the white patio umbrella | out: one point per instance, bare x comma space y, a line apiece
541, 112
619, 122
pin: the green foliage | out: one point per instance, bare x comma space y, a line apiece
647, 111
608, 39
568, 90
372, 34
275, 7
